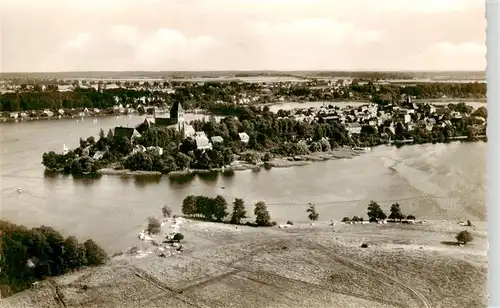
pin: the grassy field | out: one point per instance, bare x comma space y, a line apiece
303, 266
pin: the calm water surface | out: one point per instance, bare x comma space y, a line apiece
441, 181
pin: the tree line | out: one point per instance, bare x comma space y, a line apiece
375, 213
216, 209
208, 96
30, 255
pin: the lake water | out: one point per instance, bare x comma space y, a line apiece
441, 181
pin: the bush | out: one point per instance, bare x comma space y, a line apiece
289, 222
178, 237
167, 211
313, 214
411, 217
154, 225
464, 237
364, 245
346, 219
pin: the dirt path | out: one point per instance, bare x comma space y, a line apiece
59, 296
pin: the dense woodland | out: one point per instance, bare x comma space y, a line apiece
210, 95
30, 255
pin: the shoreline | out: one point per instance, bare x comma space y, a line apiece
438, 101
238, 165
56, 118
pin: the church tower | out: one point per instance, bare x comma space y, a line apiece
177, 113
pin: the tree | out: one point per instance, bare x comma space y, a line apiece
83, 143
375, 211
95, 254
239, 211
227, 156
110, 135
219, 210
182, 160
166, 210
395, 212
51, 160
313, 214
154, 225
101, 134
262, 214
178, 237
464, 237
481, 112
189, 205
91, 140
74, 253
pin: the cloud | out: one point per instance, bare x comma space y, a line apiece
124, 46
471, 48
425, 6
242, 34
80, 41
172, 49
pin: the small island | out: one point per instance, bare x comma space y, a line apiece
253, 136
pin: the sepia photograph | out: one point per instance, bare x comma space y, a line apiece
244, 153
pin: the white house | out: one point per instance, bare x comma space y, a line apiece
202, 141
244, 137
217, 139
48, 113
353, 128
65, 88
98, 155
138, 148
158, 150
189, 131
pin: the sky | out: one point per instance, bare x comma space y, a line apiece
194, 35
